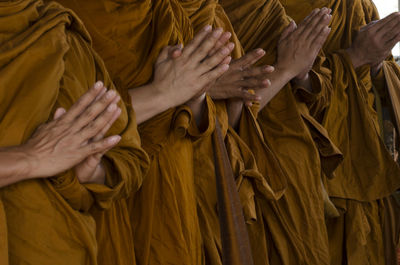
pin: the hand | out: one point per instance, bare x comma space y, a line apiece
91, 169
375, 41
299, 46
186, 73
242, 77
64, 142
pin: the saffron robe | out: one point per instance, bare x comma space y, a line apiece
46, 61
353, 119
269, 220
129, 36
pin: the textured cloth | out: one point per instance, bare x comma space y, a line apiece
355, 122
295, 232
46, 61
129, 36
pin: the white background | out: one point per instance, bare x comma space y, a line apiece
386, 7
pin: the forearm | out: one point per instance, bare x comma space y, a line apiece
15, 166
148, 101
234, 108
279, 78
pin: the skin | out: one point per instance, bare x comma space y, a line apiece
297, 50
70, 140
183, 77
374, 42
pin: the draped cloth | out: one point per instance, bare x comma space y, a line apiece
251, 185
129, 36
353, 119
276, 228
46, 61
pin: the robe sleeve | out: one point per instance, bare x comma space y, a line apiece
125, 164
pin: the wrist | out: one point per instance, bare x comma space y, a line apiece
27, 162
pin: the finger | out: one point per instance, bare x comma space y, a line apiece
391, 43
105, 129
103, 91
247, 96
163, 54
214, 74
96, 127
257, 71
205, 47
381, 24
318, 27
306, 28
309, 17
59, 112
227, 60
216, 59
252, 83
197, 40
248, 59
289, 29
221, 42
83, 102
102, 145
391, 29
309, 29
320, 39
94, 110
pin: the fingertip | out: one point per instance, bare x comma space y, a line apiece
231, 46
260, 52
59, 112
98, 85
225, 67
207, 28
269, 69
114, 139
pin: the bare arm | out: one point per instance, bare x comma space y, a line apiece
182, 75
64, 142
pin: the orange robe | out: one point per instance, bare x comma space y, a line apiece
129, 36
355, 121
276, 226
46, 61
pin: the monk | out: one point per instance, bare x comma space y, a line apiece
262, 243
364, 103
47, 63
278, 244
51, 151
138, 40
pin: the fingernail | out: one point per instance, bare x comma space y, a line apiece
228, 35
324, 9
231, 45
114, 139
112, 107
217, 32
225, 51
258, 98
225, 67
267, 82
207, 28
268, 68
110, 94
98, 85
260, 51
